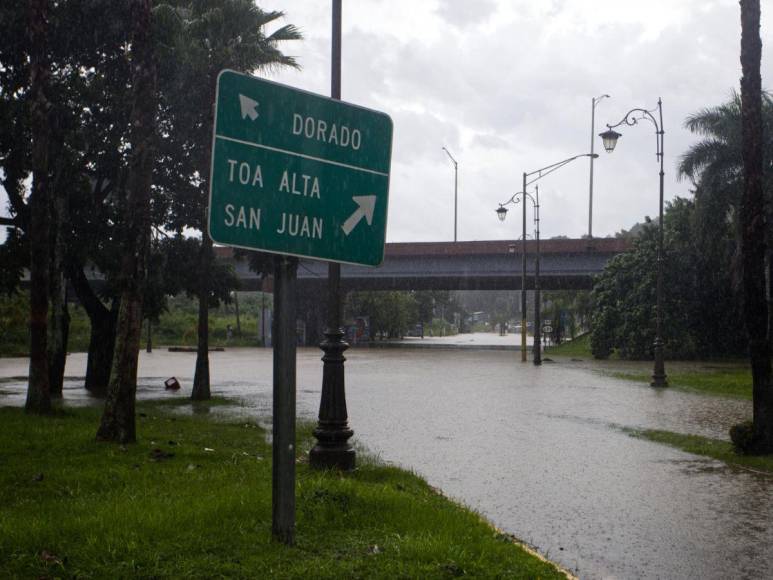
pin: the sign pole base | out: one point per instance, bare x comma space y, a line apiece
332, 450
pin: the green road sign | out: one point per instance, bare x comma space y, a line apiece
297, 173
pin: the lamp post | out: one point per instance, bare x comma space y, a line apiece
332, 433
456, 182
537, 348
595, 101
502, 213
610, 137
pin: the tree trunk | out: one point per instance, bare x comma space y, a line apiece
118, 418
102, 339
753, 226
38, 391
201, 389
238, 320
101, 349
149, 343
59, 319
58, 334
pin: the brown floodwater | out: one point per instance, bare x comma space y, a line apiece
540, 451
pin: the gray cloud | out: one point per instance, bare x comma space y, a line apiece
465, 13
507, 85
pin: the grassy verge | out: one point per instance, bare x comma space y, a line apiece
724, 381
193, 498
177, 326
579, 347
722, 450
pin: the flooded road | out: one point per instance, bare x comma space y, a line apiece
538, 450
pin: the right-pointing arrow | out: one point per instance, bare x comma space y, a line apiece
367, 204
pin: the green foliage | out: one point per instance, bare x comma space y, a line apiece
702, 314
193, 499
391, 313
14, 323
567, 312
175, 326
700, 311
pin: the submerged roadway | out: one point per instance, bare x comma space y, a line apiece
542, 452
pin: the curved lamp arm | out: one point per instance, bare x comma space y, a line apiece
632, 118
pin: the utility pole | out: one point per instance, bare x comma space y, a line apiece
595, 101
456, 182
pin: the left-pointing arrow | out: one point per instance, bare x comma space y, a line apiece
249, 107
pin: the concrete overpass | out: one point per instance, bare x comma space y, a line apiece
566, 264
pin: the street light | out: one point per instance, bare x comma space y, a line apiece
502, 214
333, 449
536, 176
610, 137
456, 181
595, 101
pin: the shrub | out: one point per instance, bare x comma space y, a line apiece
742, 436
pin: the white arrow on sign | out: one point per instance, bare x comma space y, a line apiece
366, 203
249, 107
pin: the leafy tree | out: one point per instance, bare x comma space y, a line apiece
38, 392
391, 313
89, 76
698, 280
118, 419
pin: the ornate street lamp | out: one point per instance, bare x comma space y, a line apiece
610, 138
502, 212
333, 450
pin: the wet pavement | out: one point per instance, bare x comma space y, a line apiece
538, 450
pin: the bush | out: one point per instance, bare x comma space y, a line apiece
742, 436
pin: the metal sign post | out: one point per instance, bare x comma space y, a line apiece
283, 425
296, 174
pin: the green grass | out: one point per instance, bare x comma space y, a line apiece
724, 380
716, 448
178, 326
579, 347
72, 507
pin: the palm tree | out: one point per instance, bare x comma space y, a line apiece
715, 164
753, 243
733, 172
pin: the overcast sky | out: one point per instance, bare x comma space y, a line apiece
507, 85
